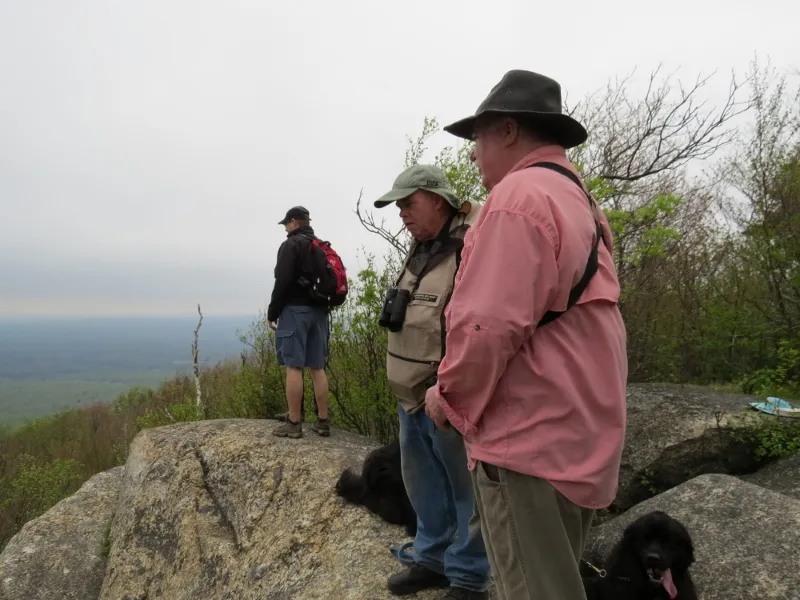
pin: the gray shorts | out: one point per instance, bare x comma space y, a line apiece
302, 337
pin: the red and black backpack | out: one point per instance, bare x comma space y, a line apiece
328, 276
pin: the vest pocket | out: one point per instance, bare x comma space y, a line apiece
407, 378
432, 363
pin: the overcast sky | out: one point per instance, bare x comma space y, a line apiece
148, 148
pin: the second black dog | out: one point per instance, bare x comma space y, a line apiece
380, 487
650, 562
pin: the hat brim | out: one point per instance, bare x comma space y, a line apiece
564, 130
393, 196
401, 193
285, 221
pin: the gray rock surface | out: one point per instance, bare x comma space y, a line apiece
225, 510
676, 433
747, 538
214, 509
782, 476
60, 555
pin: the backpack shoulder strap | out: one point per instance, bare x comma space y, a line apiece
460, 231
561, 170
404, 265
307, 236
305, 250
592, 263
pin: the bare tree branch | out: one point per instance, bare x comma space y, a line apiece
168, 414
631, 139
196, 365
399, 239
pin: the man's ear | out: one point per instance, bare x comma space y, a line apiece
511, 131
438, 201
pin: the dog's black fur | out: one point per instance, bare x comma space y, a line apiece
380, 487
649, 546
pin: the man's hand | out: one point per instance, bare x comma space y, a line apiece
273, 326
434, 410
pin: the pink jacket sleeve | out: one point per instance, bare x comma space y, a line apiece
506, 283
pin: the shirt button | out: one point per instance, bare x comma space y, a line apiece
477, 327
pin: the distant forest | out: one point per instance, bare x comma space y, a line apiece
50, 364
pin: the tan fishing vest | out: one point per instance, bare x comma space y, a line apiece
414, 352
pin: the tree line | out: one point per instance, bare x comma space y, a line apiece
709, 266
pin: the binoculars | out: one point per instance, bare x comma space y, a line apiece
393, 313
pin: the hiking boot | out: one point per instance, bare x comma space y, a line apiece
289, 429
457, 593
415, 579
322, 427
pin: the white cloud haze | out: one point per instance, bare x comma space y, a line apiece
147, 149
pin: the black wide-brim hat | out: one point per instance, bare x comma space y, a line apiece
532, 98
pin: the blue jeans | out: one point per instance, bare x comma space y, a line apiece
439, 486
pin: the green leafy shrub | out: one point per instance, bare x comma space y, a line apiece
33, 488
774, 438
782, 380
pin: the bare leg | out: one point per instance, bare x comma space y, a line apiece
320, 381
294, 393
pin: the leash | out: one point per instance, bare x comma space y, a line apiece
603, 573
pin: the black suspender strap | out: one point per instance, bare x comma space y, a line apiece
591, 265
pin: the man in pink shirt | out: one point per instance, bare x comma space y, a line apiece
535, 367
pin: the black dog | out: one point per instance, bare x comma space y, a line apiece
380, 487
650, 562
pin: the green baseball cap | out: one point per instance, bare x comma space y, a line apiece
420, 177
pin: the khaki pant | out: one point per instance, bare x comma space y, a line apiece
534, 536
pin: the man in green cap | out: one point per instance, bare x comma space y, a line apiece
448, 550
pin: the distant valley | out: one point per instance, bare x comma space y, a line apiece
49, 364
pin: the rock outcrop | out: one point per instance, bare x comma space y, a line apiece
223, 510
676, 433
782, 476
62, 553
747, 538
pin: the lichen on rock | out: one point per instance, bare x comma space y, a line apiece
224, 509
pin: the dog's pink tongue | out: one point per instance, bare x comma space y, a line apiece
666, 580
